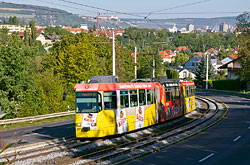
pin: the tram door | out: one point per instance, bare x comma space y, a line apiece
157, 103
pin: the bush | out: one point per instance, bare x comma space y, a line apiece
233, 85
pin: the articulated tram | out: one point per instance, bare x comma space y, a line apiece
106, 108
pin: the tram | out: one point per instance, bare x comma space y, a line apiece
105, 107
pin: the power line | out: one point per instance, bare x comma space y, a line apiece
65, 6
225, 12
108, 10
175, 7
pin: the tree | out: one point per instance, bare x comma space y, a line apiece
4, 35
145, 66
243, 39
180, 59
33, 30
94, 27
172, 73
200, 71
13, 20
55, 30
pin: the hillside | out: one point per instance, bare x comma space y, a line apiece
182, 22
48, 16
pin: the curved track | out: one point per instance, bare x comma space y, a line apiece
117, 149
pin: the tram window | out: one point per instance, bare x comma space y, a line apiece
150, 96
173, 93
192, 91
88, 102
142, 97
177, 93
124, 99
109, 98
188, 91
168, 96
133, 98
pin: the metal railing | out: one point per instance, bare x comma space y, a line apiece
33, 118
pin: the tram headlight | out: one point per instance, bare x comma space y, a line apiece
78, 124
93, 124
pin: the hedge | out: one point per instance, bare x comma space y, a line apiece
233, 85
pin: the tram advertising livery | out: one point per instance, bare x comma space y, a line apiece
105, 107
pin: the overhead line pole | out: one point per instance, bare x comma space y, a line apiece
113, 51
135, 64
207, 74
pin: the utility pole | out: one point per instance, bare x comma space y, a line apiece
113, 52
207, 74
153, 66
135, 65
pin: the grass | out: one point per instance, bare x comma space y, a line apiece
232, 93
17, 15
36, 122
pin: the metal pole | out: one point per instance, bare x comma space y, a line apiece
135, 65
153, 66
113, 52
207, 74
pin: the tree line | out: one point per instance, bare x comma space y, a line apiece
32, 80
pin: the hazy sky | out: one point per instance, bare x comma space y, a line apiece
142, 8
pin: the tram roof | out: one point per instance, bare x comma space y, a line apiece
113, 86
189, 83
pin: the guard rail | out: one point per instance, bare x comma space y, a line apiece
33, 118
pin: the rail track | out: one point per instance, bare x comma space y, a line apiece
121, 149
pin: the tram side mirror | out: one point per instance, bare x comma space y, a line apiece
64, 95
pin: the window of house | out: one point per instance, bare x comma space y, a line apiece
184, 74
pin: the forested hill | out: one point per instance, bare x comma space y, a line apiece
42, 15
182, 22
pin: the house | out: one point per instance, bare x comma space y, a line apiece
109, 33
181, 49
193, 62
198, 53
167, 55
41, 38
184, 73
232, 65
212, 51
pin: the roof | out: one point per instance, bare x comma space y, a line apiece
234, 56
181, 48
178, 68
166, 53
228, 62
133, 54
198, 53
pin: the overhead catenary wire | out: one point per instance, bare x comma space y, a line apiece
98, 8
65, 6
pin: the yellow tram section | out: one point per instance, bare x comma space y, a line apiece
189, 99
106, 123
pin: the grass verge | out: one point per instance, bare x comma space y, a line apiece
232, 93
36, 122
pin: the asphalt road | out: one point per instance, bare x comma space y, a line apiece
40, 133
228, 142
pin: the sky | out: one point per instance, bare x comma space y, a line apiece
153, 9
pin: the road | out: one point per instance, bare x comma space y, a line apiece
228, 142
40, 133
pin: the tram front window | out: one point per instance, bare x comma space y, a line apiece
88, 102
